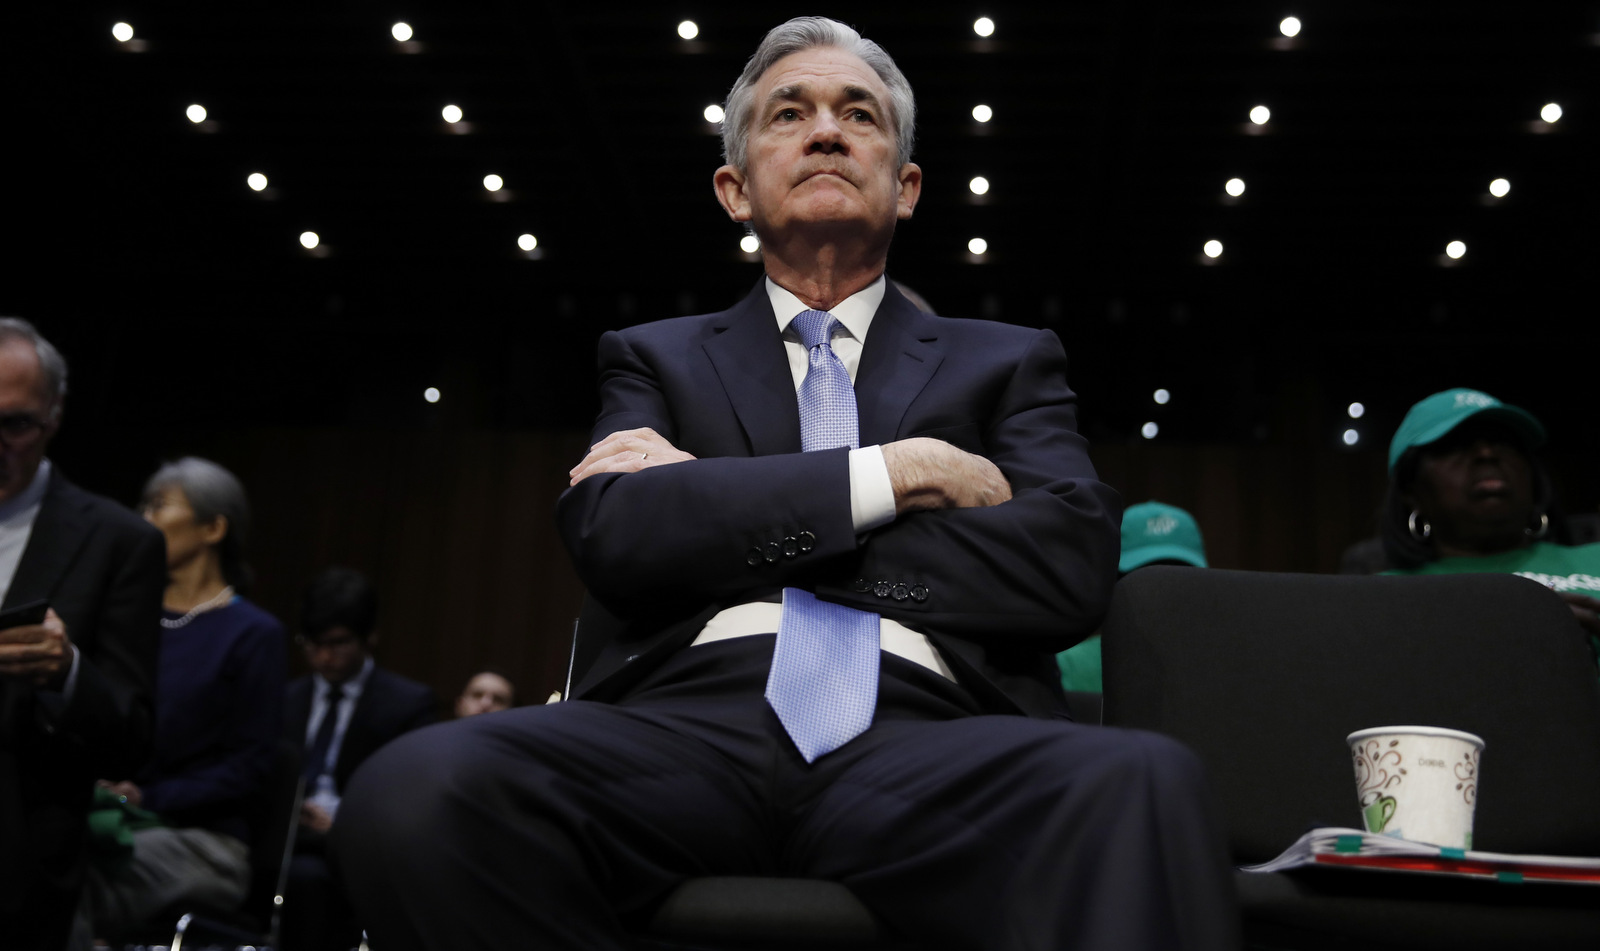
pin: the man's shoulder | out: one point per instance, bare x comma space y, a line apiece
676, 329
963, 328
299, 687
71, 500
388, 683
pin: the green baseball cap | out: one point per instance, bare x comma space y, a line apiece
1433, 418
1157, 532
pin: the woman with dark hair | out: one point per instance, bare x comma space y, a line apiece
1467, 494
219, 713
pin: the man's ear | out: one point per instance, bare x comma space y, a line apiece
910, 188
729, 184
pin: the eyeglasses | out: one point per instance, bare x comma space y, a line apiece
19, 429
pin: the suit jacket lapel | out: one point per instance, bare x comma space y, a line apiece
900, 356
750, 361
58, 532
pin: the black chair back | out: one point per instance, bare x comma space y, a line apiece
1265, 674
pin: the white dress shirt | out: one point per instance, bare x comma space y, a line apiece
17, 516
871, 493
319, 708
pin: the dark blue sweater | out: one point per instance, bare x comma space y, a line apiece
219, 712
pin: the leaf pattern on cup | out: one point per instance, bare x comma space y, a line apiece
1467, 775
1378, 767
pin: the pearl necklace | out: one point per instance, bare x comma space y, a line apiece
218, 601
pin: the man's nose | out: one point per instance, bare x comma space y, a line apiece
827, 135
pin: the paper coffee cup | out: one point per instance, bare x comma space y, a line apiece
1418, 782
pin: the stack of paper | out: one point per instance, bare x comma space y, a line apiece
1356, 849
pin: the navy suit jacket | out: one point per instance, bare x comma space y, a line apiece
997, 589
104, 570
389, 706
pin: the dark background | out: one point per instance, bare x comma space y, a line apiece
196, 324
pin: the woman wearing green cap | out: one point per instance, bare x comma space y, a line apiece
1466, 494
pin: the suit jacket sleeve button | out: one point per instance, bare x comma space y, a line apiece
900, 592
881, 589
862, 586
791, 547
753, 557
774, 551
807, 541
919, 593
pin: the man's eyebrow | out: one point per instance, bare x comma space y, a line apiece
798, 91
857, 94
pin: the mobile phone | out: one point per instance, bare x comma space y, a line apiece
24, 614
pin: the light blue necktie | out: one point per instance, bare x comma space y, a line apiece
824, 678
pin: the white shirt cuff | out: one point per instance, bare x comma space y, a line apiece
871, 493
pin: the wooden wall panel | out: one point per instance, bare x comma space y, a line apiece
457, 528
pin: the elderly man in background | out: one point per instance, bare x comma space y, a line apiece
81, 580
846, 538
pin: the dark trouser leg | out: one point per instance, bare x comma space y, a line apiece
557, 827
1005, 833
543, 827
316, 912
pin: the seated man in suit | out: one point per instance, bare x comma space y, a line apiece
75, 690
341, 713
845, 537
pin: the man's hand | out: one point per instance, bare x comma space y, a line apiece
126, 790
38, 653
315, 818
1585, 609
932, 474
627, 451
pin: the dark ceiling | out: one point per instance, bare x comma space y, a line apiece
184, 298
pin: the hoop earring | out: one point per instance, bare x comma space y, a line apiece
1411, 526
1542, 531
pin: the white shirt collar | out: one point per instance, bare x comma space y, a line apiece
350, 689
854, 312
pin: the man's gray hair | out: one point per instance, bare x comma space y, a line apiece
804, 33
52, 365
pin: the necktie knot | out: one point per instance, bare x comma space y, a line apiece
814, 327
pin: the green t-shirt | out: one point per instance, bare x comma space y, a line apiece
1560, 567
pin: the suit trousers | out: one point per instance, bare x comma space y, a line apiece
561, 827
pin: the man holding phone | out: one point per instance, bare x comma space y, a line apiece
81, 580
